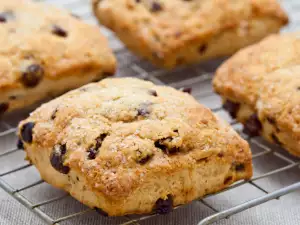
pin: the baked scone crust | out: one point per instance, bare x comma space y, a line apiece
45, 51
176, 32
152, 142
263, 80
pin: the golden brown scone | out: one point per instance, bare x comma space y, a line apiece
176, 32
46, 51
260, 87
127, 146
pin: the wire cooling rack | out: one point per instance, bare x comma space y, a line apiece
198, 78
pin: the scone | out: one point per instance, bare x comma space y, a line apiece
170, 33
126, 146
261, 88
46, 51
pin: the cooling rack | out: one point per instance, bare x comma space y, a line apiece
196, 77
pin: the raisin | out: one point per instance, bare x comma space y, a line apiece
232, 108
57, 30
3, 107
20, 144
26, 132
156, 7
252, 126
153, 93
57, 159
32, 76
101, 212
164, 206
93, 150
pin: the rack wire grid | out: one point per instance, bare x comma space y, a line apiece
20, 179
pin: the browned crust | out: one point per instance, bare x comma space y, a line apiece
84, 49
265, 78
114, 176
166, 38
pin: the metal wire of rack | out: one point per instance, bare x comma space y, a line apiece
199, 76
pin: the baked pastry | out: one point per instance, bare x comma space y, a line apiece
46, 51
126, 146
176, 32
260, 87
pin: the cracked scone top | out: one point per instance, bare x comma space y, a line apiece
127, 146
171, 33
46, 51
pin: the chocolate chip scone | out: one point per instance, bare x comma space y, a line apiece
260, 88
126, 146
176, 32
46, 51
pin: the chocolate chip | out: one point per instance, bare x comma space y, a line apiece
20, 144
137, 1
164, 206
101, 212
186, 90
232, 108
32, 76
153, 92
57, 30
202, 48
298, 88
3, 107
57, 158
252, 126
93, 150
276, 140
26, 132
155, 7
144, 109
239, 167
